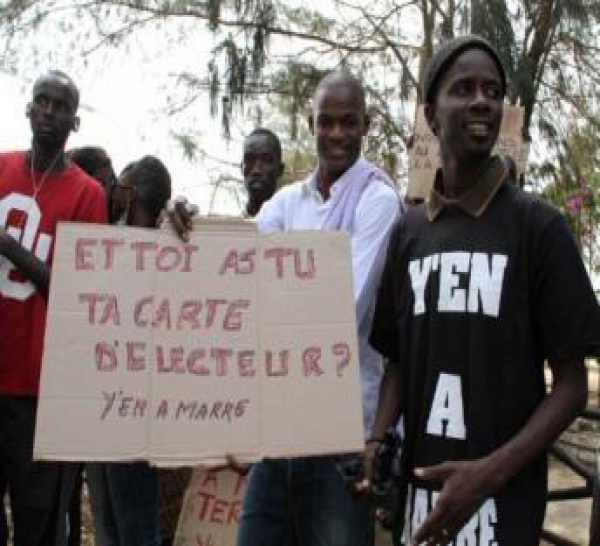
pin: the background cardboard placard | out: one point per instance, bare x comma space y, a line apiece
235, 343
211, 509
424, 157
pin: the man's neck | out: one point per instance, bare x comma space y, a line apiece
327, 179
460, 176
252, 209
42, 159
254, 205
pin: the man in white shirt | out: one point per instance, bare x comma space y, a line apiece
305, 501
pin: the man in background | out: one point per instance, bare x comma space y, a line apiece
262, 167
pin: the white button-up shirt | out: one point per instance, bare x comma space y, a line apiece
300, 206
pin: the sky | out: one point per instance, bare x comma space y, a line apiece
123, 109
125, 95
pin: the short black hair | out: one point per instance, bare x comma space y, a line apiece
343, 77
152, 181
270, 136
447, 53
65, 79
89, 158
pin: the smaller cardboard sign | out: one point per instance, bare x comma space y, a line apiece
211, 509
424, 155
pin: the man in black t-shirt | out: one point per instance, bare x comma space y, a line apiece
483, 284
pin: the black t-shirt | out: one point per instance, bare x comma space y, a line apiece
470, 308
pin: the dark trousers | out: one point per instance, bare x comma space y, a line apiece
69, 521
3, 522
303, 502
33, 488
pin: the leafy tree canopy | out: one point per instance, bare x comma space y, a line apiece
267, 56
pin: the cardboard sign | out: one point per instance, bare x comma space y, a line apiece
424, 156
211, 509
235, 343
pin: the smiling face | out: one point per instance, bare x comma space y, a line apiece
339, 123
466, 111
52, 111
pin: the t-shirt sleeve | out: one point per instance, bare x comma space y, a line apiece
567, 315
385, 333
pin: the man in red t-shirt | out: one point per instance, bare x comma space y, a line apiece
38, 189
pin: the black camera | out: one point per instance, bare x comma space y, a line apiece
386, 468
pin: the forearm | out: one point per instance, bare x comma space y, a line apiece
31, 267
552, 416
389, 406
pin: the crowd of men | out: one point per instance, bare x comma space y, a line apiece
466, 296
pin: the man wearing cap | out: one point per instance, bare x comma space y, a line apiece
482, 285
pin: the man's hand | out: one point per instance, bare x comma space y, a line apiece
179, 212
231, 463
241, 468
362, 487
6, 243
466, 485
24, 261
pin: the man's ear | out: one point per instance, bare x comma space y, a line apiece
429, 110
281, 170
75, 124
28, 109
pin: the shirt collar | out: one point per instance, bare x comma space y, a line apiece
475, 200
309, 186
311, 183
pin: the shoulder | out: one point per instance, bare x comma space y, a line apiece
272, 215
292, 191
382, 190
11, 159
12, 169
529, 205
76, 176
285, 196
544, 231
412, 223
84, 194
380, 197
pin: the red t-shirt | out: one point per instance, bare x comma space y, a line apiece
70, 195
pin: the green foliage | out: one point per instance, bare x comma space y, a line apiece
574, 187
267, 55
492, 20
188, 144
